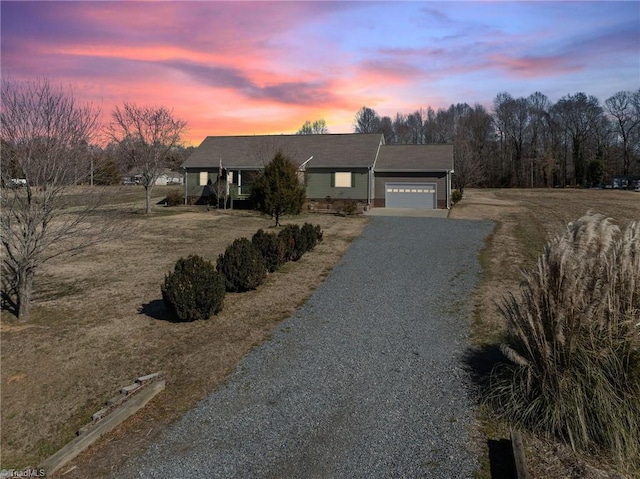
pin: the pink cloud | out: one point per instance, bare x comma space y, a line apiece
531, 66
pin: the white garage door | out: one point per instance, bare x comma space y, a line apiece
410, 195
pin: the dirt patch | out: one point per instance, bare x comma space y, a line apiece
98, 322
525, 220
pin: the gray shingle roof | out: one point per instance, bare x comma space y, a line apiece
415, 158
328, 151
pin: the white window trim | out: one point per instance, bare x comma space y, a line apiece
204, 178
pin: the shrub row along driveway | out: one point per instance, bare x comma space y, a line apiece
365, 380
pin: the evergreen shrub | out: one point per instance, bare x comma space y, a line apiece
242, 265
272, 249
175, 198
294, 243
194, 289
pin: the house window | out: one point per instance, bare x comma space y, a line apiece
204, 177
342, 179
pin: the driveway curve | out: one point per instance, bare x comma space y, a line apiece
364, 381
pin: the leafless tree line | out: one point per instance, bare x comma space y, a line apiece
527, 141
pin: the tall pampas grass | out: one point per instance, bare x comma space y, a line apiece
574, 342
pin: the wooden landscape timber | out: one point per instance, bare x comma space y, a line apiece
132, 398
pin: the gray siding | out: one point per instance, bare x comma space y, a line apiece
192, 179
319, 183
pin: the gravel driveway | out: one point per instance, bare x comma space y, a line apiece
364, 381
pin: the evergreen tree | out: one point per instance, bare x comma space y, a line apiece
277, 191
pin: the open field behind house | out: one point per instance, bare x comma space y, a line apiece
525, 220
98, 322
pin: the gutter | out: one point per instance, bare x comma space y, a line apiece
405, 170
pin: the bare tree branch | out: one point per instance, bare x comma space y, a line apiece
146, 136
45, 136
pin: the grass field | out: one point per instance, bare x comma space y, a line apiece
98, 319
98, 322
525, 220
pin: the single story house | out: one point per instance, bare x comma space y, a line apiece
333, 167
169, 177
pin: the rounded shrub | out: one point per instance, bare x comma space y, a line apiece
242, 265
310, 233
294, 243
174, 198
456, 196
272, 249
194, 290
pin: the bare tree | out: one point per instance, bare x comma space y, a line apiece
578, 115
220, 190
367, 121
386, 128
471, 145
44, 132
624, 107
318, 127
146, 135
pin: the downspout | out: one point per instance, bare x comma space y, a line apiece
371, 185
303, 165
449, 189
185, 186
369, 170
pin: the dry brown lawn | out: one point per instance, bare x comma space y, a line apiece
525, 220
98, 321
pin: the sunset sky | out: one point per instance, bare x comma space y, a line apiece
232, 68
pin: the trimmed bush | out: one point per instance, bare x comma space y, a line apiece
242, 265
456, 196
350, 207
295, 245
194, 290
310, 233
175, 198
271, 247
574, 342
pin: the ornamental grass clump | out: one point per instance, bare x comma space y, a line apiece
194, 289
574, 342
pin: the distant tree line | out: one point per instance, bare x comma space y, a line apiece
526, 142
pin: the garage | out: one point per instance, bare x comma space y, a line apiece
413, 176
410, 195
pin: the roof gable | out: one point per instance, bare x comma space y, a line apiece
415, 158
328, 151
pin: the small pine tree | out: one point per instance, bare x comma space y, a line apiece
277, 191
